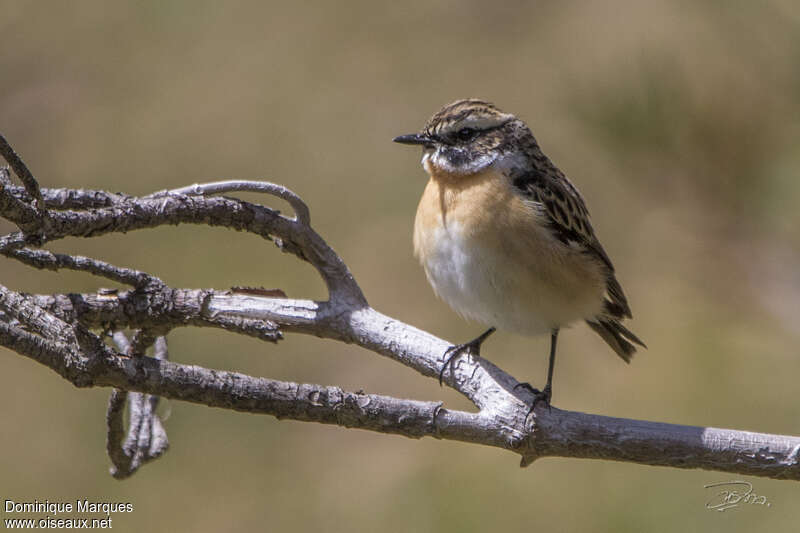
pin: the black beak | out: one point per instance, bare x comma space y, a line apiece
413, 138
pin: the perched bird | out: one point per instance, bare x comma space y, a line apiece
505, 238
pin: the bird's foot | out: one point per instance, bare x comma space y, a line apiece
473, 347
539, 396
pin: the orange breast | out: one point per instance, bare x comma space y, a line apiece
483, 206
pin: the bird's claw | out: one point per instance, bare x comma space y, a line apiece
473, 347
539, 396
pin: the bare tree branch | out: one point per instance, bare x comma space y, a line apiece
21, 213
301, 211
22, 172
147, 438
120, 461
55, 330
52, 261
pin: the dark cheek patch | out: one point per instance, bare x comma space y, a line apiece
456, 156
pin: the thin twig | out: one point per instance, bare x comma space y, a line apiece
44, 259
21, 213
120, 461
22, 172
301, 210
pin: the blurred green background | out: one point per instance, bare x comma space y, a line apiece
679, 122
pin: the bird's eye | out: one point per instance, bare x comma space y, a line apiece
466, 134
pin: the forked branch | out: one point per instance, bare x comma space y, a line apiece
69, 333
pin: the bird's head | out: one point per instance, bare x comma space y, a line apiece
466, 137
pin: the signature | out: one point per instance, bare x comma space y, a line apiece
733, 494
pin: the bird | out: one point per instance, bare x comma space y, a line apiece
505, 238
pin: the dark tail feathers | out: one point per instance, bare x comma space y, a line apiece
620, 338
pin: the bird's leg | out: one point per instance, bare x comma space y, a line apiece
473, 347
547, 393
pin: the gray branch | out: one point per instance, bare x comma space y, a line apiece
22, 172
301, 211
56, 330
146, 439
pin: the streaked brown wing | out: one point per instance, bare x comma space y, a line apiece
569, 222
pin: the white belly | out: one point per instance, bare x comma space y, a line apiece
478, 286
503, 270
